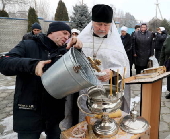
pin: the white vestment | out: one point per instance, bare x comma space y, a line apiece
112, 56
111, 52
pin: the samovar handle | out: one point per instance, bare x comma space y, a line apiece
121, 91
79, 104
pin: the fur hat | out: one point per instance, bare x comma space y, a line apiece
102, 13
58, 26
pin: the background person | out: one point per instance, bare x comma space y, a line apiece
126, 40
36, 29
142, 47
159, 38
75, 32
164, 56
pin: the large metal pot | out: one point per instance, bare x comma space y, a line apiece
71, 73
98, 101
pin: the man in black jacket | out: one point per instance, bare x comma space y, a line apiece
34, 110
159, 38
142, 47
36, 29
126, 40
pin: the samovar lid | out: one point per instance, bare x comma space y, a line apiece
134, 124
129, 125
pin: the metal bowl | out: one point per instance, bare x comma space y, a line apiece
99, 101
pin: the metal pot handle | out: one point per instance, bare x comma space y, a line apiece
80, 106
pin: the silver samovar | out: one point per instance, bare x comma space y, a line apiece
99, 101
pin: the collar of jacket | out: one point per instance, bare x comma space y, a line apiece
98, 36
127, 35
46, 42
50, 44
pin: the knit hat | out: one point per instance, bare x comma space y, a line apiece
36, 26
124, 28
102, 13
58, 26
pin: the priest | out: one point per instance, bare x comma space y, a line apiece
101, 40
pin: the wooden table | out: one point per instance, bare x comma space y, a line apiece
151, 91
67, 134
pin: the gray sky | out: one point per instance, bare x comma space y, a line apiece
141, 9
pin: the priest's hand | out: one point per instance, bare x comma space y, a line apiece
74, 42
39, 67
105, 77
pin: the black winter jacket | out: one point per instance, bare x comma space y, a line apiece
34, 109
127, 42
30, 36
159, 40
142, 47
165, 52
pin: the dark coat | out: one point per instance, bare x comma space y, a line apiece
142, 47
126, 40
165, 52
33, 109
30, 36
159, 40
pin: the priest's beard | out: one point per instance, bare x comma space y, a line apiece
101, 35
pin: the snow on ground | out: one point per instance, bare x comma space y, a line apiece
7, 87
168, 137
8, 129
164, 88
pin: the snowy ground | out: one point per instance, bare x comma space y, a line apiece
8, 129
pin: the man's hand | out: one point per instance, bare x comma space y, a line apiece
135, 55
39, 67
106, 77
74, 42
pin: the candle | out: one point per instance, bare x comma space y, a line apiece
111, 83
117, 81
123, 80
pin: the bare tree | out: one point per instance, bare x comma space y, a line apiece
154, 24
42, 8
114, 10
3, 5
119, 16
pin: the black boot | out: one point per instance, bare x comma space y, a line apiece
167, 96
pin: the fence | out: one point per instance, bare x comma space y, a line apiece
13, 29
